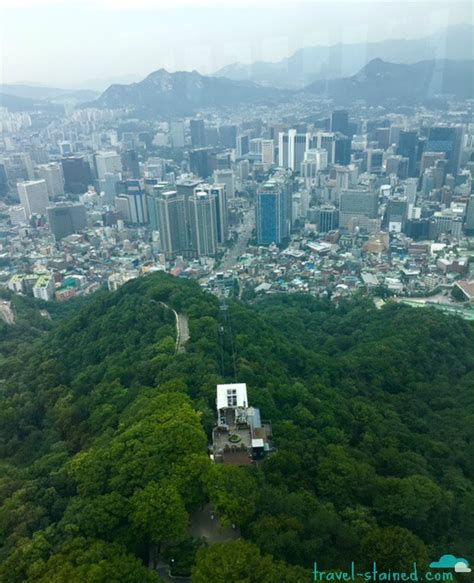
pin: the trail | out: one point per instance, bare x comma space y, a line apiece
182, 329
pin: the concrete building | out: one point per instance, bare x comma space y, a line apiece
357, 204
33, 196
66, 218
203, 223
108, 162
52, 174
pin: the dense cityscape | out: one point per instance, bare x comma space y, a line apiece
236, 291
298, 197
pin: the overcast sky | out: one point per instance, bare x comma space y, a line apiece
65, 43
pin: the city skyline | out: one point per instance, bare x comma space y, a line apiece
134, 39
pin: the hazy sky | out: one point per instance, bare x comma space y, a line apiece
68, 42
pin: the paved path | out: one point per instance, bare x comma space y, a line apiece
6, 312
182, 328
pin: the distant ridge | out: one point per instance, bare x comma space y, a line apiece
181, 93
163, 93
379, 81
310, 64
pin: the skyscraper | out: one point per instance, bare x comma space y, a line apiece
407, 147
273, 211
130, 164
228, 136
177, 134
66, 218
292, 147
243, 145
227, 178
340, 122
218, 193
203, 223
268, 153
52, 174
447, 139
109, 161
77, 174
198, 133
33, 196
200, 163
132, 202
170, 212
342, 150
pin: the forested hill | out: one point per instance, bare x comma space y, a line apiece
104, 433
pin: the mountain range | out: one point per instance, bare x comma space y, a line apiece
164, 93
310, 64
379, 81
181, 93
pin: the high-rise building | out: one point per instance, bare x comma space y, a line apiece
3, 181
203, 223
33, 196
340, 122
130, 165
374, 161
407, 147
327, 217
198, 133
108, 185
52, 174
227, 178
228, 136
107, 162
469, 224
292, 147
360, 204
342, 150
268, 153
177, 134
200, 162
132, 202
447, 139
169, 208
77, 174
273, 211
397, 213
66, 218
218, 193
243, 145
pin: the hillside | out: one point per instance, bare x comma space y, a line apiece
181, 93
380, 81
104, 432
310, 64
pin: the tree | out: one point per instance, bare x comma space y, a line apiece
233, 491
394, 548
159, 514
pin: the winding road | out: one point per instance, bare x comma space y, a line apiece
182, 328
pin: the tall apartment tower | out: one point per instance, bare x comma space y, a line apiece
171, 214
218, 193
203, 223
33, 196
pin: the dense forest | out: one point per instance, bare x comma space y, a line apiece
104, 433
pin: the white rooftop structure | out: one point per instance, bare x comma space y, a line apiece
232, 396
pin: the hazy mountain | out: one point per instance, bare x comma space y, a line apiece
40, 92
181, 93
15, 103
342, 60
379, 81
